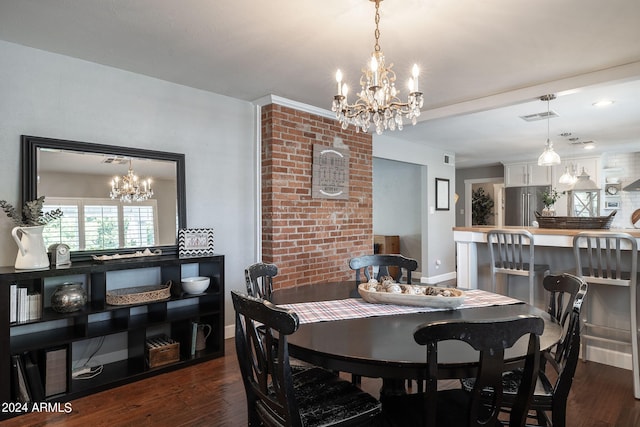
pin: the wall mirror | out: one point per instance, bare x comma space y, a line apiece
78, 177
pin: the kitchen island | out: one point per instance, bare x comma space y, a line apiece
554, 247
469, 239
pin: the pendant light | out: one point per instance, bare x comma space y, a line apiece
548, 157
567, 177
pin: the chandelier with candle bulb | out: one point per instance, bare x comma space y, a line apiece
378, 101
129, 188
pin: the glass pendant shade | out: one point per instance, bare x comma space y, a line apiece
567, 177
549, 157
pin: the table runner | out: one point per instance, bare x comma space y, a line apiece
353, 308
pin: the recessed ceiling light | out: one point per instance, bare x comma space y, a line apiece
589, 145
603, 103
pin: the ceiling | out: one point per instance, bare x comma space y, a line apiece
483, 64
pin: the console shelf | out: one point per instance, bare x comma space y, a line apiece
71, 334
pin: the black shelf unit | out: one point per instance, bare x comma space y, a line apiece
98, 319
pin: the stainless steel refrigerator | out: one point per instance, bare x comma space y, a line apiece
520, 203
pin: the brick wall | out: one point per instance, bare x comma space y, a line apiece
311, 240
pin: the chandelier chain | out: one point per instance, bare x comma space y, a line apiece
376, 33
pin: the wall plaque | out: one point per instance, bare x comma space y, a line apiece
330, 173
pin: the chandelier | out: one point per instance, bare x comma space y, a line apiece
130, 188
378, 100
548, 157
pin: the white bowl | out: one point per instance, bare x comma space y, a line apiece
195, 285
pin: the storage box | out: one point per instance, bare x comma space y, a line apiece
161, 350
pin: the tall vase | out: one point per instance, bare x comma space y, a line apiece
32, 255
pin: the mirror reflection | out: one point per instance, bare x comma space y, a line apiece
121, 199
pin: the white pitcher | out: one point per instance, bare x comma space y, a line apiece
32, 254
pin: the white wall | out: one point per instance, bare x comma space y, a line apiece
396, 209
50, 95
437, 226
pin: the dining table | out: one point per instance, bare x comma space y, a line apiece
340, 331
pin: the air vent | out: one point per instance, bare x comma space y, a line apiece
576, 142
449, 159
539, 116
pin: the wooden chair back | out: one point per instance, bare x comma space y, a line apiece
567, 353
566, 296
259, 278
383, 262
268, 385
490, 338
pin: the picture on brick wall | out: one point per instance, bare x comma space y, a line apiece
330, 178
195, 242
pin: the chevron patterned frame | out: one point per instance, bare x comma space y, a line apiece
195, 242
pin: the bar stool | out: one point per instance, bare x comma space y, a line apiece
512, 254
606, 258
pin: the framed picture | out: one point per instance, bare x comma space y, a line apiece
442, 194
195, 242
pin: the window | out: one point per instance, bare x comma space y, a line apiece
98, 224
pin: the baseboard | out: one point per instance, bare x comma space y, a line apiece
229, 331
434, 280
606, 356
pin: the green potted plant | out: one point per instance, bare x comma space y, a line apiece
549, 198
28, 232
31, 215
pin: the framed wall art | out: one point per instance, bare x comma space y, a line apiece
195, 242
442, 194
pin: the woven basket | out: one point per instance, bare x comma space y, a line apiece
575, 222
139, 294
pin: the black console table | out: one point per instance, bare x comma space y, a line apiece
53, 331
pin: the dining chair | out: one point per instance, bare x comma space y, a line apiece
512, 254
366, 263
456, 407
276, 397
394, 265
557, 366
259, 278
611, 259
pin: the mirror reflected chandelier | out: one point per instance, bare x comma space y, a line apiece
130, 188
378, 101
548, 157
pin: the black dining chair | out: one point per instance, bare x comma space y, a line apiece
557, 365
276, 397
259, 278
394, 265
385, 262
456, 407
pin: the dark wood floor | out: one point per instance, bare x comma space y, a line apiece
211, 394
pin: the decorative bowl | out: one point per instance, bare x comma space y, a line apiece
378, 297
195, 285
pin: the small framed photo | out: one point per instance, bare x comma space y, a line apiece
442, 194
195, 242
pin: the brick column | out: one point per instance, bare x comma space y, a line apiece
311, 240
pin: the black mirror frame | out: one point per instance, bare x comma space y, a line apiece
29, 155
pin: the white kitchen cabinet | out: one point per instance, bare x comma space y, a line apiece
519, 174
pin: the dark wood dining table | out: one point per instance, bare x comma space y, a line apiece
383, 347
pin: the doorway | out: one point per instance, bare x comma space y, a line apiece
494, 187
